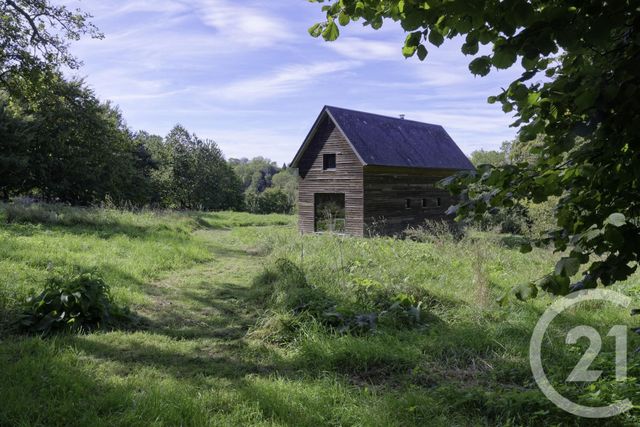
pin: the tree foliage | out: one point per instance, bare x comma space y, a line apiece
286, 180
488, 157
579, 93
271, 200
255, 174
59, 142
35, 35
201, 176
64, 144
267, 188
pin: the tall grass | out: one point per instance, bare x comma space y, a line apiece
128, 249
466, 347
246, 322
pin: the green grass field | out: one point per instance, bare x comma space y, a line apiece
229, 333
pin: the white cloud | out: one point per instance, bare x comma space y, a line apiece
435, 75
102, 10
366, 50
287, 80
152, 6
217, 66
121, 86
243, 26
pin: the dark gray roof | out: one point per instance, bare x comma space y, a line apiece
389, 141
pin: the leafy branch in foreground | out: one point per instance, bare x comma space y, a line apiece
579, 93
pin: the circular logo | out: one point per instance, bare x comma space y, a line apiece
581, 372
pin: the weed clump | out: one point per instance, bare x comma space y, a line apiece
80, 303
294, 303
434, 231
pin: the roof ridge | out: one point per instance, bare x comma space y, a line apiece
380, 115
383, 140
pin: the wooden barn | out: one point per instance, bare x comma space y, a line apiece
362, 173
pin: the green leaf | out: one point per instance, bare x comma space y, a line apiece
480, 66
343, 19
408, 51
616, 219
586, 99
557, 285
533, 98
315, 30
413, 39
422, 52
331, 32
470, 48
529, 63
436, 38
504, 57
613, 236
567, 266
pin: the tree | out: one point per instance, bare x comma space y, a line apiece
287, 182
200, 176
271, 200
76, 148
490, 157
158, 168
519, 151
15, 139
584, 102
34, 37
255, 174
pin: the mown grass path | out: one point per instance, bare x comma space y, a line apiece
207, 300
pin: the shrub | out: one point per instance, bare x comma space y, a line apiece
79, 303
293, 303
542, 217
404, 312
271, 200
513, 220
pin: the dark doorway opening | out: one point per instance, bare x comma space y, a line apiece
329, 212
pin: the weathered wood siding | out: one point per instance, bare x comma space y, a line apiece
386, 190
346, 178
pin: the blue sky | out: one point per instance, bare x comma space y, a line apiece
247, 74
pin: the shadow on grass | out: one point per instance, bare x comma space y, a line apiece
36, 373
221, 311
101, 231
226, 252
230, 220
217, 360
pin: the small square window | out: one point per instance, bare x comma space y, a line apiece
407, 203
438, 201
424, 203
328, 161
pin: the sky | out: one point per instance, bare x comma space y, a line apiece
246, 74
